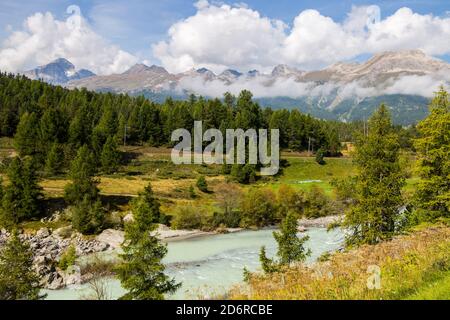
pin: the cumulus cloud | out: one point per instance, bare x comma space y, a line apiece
44, 39
220, 36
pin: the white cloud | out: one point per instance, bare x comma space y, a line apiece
220, 36
45, 38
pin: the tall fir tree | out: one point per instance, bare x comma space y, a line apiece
433, 148
376, 214
53, 163
26, 139
141, 271
110, 156
82, 172
18, 280
22, 199
290, 247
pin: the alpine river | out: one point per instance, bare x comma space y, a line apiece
208, 266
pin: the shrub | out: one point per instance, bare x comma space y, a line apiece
202, 185
259, 208
68, 258
318, 204
189, 218
320, 156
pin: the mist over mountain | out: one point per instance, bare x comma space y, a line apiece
344, 91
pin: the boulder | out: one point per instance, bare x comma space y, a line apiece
128, 218
112, 238
43, 233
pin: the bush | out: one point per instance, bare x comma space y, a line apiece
88, 217
189, 218
318, 204
259, 208
68, 258
291, 200
202, 185
320, 156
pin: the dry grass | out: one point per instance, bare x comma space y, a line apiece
406, 263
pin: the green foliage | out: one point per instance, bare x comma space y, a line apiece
267, 264
320, 154
190, 218
291, 200
82, 171
110, 156
18, 281
259, 208
88, 216
22, 197
378, 185
192, 193
26, 139
244, 173
433, 147
53, 163
141, 271
68, 258
345, 188
202, 185
290, 247
146, 209
317, 204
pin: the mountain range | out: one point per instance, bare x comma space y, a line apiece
404, 80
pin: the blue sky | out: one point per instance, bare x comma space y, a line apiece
137, 26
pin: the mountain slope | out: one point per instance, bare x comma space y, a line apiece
59, 71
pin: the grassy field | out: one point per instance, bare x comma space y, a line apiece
171, 182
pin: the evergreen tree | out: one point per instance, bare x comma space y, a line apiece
26, 139
22, 197
267, 265
110, 157
53, 163
290, 247
379, 182
433, 147
18, 281
88, 216
82, 173
141, 271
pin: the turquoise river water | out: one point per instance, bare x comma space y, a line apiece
210, 265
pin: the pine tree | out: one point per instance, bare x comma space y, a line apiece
433, 147
26, 139
267, 265
53, 163
88, 216
379, 182
82, 173
22, 197
141, 271
18, 281
290, 247
110, 157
